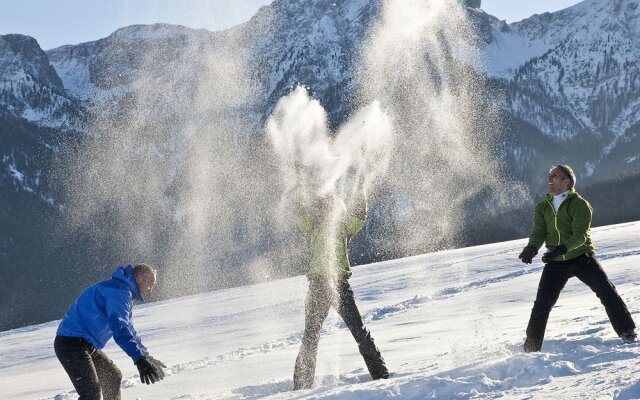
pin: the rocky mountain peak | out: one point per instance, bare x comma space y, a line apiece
22, 55
30, 88
473, 3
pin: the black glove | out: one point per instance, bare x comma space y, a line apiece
527, 254
150, 369
554, 253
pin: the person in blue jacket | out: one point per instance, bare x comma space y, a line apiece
102, 311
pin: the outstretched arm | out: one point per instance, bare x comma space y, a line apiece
118, 307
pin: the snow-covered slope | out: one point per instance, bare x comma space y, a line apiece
449, 324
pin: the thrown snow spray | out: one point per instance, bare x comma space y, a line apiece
419, 62
315, 162
171, 173
327, 175
168, 173
445, 182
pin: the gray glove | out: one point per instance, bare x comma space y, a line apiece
150, 369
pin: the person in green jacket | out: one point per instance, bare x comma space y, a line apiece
328, 233
563, 222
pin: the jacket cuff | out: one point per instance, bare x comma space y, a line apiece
137, 360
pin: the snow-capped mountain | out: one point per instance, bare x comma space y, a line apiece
574, 76
314, 44
30, 87
35, 113
290, 43
570, 77
110, 67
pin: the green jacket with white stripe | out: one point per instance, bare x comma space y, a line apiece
570, 225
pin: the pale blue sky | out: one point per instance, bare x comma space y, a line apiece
54, 23
516, 10
57, 22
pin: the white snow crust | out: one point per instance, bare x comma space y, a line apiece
449, 324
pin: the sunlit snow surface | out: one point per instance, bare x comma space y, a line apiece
449, 324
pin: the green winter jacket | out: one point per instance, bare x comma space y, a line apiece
321, 259
570, 226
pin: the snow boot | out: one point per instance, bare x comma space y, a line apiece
629, 336
532, 345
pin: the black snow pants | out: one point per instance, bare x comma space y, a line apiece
321, 296
554, 276
92, 373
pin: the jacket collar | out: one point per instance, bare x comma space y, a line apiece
572, 193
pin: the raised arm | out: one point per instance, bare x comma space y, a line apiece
357, 213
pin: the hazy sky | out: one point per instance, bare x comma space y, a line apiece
54, 23
512, 10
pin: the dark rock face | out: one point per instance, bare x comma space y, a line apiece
22, 53
474, 3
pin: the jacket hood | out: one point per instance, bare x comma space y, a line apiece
125, 275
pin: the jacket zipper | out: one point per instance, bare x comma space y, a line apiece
555, 218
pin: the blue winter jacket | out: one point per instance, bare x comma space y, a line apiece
104, 310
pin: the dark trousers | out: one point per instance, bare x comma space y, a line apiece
92, 373
554, 276
322, 295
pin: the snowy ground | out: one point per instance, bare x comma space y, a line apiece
449, 324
